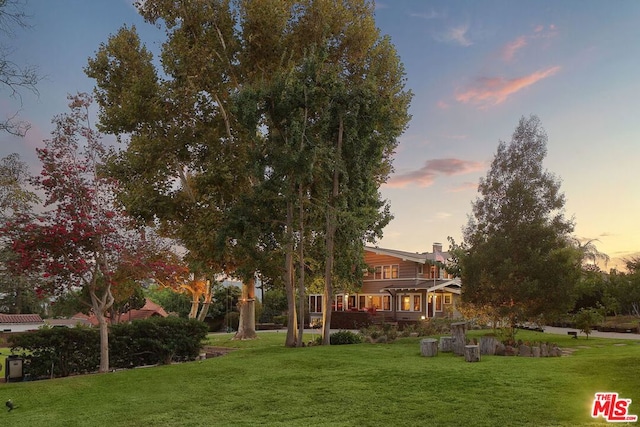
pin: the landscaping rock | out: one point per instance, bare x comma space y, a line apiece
524, 350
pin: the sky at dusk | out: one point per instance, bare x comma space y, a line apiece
475, 68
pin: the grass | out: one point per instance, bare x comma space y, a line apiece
363, 385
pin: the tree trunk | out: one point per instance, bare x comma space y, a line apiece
429, 347
100, 307
207, 302
458, 331
330, 242
247, 306
204, 311
301, 289
195, 303
291, 339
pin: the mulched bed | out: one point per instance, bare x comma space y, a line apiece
212, 351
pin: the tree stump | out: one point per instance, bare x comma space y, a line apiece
429, 347
472, 353
488, 345
446, 344
458, 331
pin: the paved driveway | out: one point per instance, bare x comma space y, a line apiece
616, 335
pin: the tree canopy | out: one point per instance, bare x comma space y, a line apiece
517, 253
266, 133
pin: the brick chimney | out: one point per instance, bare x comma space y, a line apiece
437, 247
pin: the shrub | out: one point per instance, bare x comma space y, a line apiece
280, 320
158, 340
58, 352
345, 337
587, 319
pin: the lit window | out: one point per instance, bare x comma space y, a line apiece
315, 303
387, 272
405, 303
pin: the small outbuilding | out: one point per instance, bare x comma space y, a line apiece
20, 322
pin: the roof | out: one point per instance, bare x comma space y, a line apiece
448, 285
421, 258
408, 256
20, 318
150, 309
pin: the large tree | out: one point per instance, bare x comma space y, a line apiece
272, 128
331, 110
83, 240
16, 199
519, 258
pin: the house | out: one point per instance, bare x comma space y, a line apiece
150, 309
401, 286
20, 322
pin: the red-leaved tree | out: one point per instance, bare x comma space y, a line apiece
84, 239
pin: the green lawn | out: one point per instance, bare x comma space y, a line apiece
263, 383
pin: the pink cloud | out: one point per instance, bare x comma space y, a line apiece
493, 91
426, 175
465, 186
443, 105
509, 51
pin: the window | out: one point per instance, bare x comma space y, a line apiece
315, 303
386, 272
412, 302
379, 302
438, 302
447, 298
351, 302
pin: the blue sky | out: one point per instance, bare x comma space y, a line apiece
475, 67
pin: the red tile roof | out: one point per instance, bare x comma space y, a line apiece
20, 318
149, 309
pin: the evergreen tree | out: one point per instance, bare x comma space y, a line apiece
518, 256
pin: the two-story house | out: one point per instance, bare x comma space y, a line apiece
402, 286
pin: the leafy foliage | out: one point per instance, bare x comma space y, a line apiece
516, 256
158, 340
269, 133
84, 240
587, 318
345, 337
58, 352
